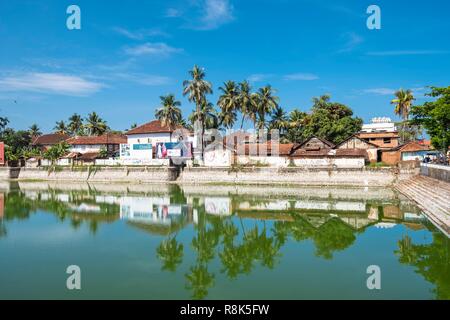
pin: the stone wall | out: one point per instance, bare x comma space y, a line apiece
347, 177
103, 174
435, 171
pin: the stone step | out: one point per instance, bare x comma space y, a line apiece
421, 194
441, 184
443, 201
427, 200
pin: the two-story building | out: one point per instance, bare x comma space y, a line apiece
381, 132
93, 144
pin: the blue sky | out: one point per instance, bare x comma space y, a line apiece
129, 53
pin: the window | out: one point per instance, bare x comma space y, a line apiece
387, 140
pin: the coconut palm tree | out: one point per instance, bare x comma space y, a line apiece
95, 125
403, 102
76, 126
207, 115
34, 130
266, 102
170, 252
247, 102
228, 103
196, 89
169, 113
61, 127
279, 120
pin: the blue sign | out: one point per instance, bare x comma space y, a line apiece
142, 147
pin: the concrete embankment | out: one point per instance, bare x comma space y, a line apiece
366, 177
432, 196
95, 174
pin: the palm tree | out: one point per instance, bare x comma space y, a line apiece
196, 89
76, 126
279, 120
34, 130
266, 102
403, 103
61, 127
95, 125
228, 103
208, 115
171, 254
169, 113
247, 102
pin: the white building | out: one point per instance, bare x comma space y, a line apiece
382, 124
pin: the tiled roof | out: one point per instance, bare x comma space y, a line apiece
326, 142
368, 135
268, 148
50, 139
154, 126
355, 136
339, 153
108, 138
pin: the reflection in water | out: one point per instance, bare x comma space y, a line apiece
242, 231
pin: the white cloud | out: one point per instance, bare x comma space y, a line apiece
140, 34
214, 13
380, 91
152, 49
143, 79
301, 77
53, 83
351, 41
407, 53
173, 13
259, 77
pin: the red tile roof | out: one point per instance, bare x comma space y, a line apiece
105, 139
154, 126
339, 153
50, 139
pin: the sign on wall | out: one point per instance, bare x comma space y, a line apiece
2, 153
165, 150
136, 151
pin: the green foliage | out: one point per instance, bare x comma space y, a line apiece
332, 121
169, 113
103, 153
434, 116
57, 151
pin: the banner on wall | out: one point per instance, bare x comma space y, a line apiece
165, 150
2, 153
136, 151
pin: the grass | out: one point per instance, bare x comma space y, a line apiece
378, 165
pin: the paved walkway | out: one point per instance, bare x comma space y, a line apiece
432, 196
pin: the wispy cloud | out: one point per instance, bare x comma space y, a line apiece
379, 91
350, 41
50, 83
259, 77
417, 92
143, 79
173, 13
152, 49
301, 77
140, 34
407, 52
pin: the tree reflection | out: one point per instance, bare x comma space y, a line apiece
432, 261
199, 280
170, 252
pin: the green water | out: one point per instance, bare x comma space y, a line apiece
213, 242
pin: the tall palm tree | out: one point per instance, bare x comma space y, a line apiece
266, 102
34, 130
247, 102
95, 125
296, 118
169, 113
403, 102
279, 120
207, 114
61, 127
76, 126
228, 103
196, 89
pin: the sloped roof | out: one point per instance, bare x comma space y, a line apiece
339, 153
368, 135
154, 126
108, 138
355, 136
50, 139
269, 148
326, 142
411, 147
